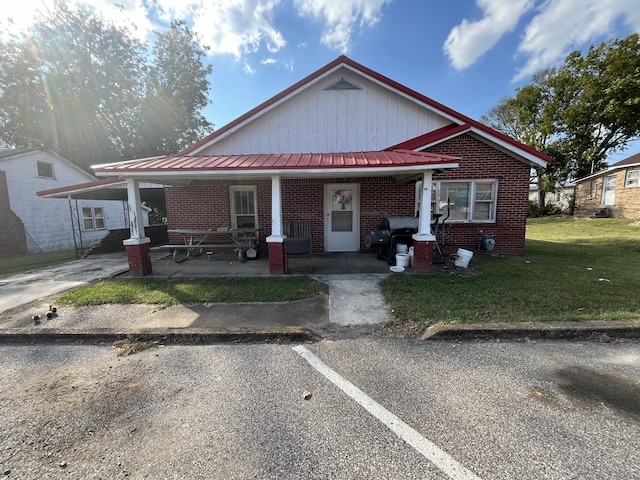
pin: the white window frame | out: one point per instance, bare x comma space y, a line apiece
632, 178
48, 164
232, 205
439, 205
93, 218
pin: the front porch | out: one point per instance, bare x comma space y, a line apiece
228, 264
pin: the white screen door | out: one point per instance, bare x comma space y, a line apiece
342, 217
609, 191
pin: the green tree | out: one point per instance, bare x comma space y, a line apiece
596, 102
578, 113
87, 89
176, 93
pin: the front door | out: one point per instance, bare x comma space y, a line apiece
609, 191
342, 217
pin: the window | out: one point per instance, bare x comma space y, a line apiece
45, 169
465, 201
244, 212
93, 218
633, 178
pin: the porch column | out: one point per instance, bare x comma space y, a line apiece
423, 241
137, 246
275, 241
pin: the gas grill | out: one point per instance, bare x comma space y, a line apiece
390, 231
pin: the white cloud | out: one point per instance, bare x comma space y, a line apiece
341, 17
237, 27
234, 27
18, 16
562, 26
248, 68
471, 39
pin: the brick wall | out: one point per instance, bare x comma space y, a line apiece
12, 234
479, 160
205, 204
588, 197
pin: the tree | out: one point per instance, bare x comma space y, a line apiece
88, 89
176, 93
578, 113
525, 118
597, 102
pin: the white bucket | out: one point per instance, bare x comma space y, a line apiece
402, 260
463, 257
401, 248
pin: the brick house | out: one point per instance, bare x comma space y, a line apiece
344, 132
612, 192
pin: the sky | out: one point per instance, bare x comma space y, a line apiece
465, 54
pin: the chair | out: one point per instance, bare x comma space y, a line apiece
298, 241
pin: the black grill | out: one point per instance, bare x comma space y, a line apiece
390, 231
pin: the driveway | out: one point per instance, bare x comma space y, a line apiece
375, 408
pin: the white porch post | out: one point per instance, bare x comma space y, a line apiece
275, 241
137, 246
136, 226
424, 231
423, 240
276, 210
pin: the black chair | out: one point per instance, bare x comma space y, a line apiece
297, 244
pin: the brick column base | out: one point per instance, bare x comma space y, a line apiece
139, 257
276, 258
422, 256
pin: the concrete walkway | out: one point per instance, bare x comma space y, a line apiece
354, 300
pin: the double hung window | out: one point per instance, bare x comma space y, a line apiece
633, 178
93, 218
244, 211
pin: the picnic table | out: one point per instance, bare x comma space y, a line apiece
196, 240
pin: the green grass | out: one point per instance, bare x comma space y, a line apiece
23, 262
572, 270
191, 291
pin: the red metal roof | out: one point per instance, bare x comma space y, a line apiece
81, 186
280, 161
344, 60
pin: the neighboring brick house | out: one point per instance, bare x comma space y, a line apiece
612, 192
33, 224
345, 148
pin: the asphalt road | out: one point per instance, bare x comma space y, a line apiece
380, 408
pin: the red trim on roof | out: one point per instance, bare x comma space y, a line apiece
80, 186
278, 161
344, 60
431, 137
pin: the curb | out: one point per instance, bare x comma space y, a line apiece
552, 330
185, 336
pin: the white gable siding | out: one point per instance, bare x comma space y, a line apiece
318, 120
48, 220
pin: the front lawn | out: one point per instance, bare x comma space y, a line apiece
572, 270
191, 291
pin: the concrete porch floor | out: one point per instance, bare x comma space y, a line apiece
227, 264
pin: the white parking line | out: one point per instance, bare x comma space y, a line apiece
441, 459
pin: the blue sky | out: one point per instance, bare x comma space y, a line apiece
466, 54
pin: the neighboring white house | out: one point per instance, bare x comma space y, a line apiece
48, 224
561, 198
